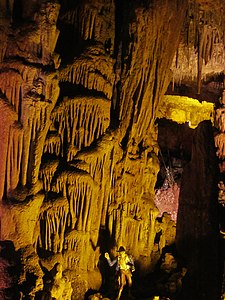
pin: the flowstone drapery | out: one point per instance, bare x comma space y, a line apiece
80, 88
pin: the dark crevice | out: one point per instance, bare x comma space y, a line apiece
71, 90
175, 143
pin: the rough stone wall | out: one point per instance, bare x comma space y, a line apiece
80, 85
200, 55
197, 237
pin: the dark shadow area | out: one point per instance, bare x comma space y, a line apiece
197, 236
175, 143
10, 270
71, 90
210, 90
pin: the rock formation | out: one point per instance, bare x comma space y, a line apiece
82, 85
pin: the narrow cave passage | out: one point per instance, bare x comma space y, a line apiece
188, 160
175, 142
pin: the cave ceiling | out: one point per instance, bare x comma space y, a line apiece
84, 87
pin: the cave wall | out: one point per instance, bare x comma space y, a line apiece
198, 66
80, 87
197, 236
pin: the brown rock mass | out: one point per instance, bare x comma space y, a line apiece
82, 86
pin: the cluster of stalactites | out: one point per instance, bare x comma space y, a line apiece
128, 187
92, 70
36, 43
136, 220
52, 225
95, 162
67, 223
145, 62
47, 172
80, 191
53, 144
20, 139
18, 81
31, 97
99, 165
93, 22
86, 206
83, 120
11, 86
201, 50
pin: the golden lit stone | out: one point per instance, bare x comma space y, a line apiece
185, 110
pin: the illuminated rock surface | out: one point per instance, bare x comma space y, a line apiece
82, 87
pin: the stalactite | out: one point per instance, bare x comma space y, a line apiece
36, 43
11, 85
47, 172
52, 223
202, 51
8, 125
93, 22
92, 70
52, 144
81, 118
14, 158
34, 117
138, 218
80, 190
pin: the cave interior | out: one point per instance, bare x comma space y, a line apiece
112, 134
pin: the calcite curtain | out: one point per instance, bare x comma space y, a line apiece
80, 85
